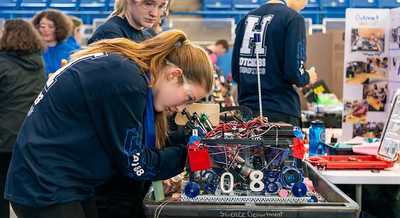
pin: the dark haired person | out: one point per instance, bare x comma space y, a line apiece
54, 27
22, 76
219, 48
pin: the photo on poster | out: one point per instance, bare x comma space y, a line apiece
394, 74
368, 130
368, 39
395, 38
376, 95
355, 111
361, 72
394, 31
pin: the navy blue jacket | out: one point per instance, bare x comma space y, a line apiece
117, 27
282, 54
85, 125
120, 189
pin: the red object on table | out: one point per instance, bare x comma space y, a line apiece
199, 158
350, 162
298, 148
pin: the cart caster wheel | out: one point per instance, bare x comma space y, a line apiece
320, 167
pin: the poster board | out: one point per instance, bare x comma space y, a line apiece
366, 87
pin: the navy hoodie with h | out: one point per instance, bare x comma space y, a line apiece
282, 53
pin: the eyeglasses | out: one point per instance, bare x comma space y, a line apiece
188, 91
190, 100
152, 5
42, 26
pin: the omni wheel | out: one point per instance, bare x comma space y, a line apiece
192, 190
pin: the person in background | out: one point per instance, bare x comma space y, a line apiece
22, 76
219, 48
54, 27
76, 37
220, 87
224, 62
157, 28
165, 26
282, 54
102, 113
131, 19
385, 62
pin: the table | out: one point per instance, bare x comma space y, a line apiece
358, 178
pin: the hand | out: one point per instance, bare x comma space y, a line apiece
167, 186
173, 185
313, 76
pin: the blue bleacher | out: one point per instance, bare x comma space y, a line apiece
9, 4
334, 8
111, 5
245, 4
93, 5
217, 4
312, 10
334, 3
314, 4
363, 3
389, 3
63, 4
317, 10
33, 4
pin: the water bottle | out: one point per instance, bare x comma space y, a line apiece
317, 139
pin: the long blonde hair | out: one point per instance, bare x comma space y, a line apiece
120, 7
151, 56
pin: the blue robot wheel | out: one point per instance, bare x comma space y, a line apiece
192, 190
299, 189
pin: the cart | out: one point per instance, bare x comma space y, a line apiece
337, 205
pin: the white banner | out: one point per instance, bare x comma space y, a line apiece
366, 72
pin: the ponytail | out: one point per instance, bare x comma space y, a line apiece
151, 56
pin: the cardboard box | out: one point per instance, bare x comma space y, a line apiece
325, 52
